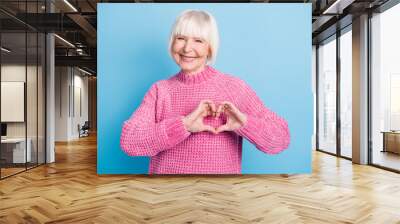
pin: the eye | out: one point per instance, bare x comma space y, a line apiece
179, 38
199, 41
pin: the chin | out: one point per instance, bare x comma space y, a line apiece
188, 67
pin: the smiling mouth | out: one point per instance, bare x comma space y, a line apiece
187, 58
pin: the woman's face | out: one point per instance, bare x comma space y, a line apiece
190, 53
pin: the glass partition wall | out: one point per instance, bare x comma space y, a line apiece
22, 88
334, 90
334, 95
327, 95
13, 90
385, 89
346, 92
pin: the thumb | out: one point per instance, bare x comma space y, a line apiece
223, 128
229, 114
231, 108
209, 128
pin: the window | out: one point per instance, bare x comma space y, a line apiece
346, 93
327, 96
385, 88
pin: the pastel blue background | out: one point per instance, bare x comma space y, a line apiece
267, 45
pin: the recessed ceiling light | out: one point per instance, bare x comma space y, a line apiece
84, 71
5, 50
64, 40
70, 5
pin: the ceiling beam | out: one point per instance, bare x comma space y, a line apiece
86, 26
85, 61
337, 6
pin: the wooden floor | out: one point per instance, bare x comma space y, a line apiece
5, 172
70, 191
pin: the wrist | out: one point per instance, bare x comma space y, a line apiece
243, 120
185, 123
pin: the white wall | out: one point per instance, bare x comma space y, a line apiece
62, 81
79, 117
70, 83
15, 72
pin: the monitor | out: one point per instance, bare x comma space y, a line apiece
3, 129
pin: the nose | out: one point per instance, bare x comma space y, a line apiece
188, 46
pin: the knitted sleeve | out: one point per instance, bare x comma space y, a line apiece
263, 128
142, 136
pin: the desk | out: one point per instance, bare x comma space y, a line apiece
391, 141
16, 147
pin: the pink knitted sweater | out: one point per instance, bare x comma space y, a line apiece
156, 128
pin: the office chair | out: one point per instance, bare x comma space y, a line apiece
84, 130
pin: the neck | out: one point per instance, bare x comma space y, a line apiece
193, 72
197, 77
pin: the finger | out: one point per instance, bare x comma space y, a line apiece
226, 107
220, 110
203, 105
198, 111
222, 128
206, 105
210, 110
209, 128
228, 112
213, 109
230, 106
202, 108
207, 108
205, 102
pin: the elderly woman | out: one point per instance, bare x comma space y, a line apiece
194, 122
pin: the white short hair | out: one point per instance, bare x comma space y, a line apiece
200, 24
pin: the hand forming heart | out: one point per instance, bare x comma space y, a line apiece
194, 121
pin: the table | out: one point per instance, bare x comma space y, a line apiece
391, 141
16, 147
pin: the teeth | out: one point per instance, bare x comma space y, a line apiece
188, 59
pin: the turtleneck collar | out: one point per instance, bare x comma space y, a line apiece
199, 77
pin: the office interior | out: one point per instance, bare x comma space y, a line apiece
47, 81
49, 94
